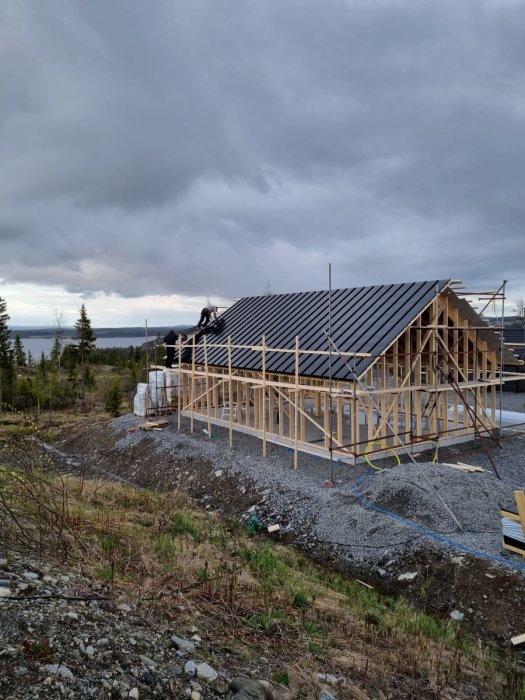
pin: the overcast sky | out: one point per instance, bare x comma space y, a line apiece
157, 154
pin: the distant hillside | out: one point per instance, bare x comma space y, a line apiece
126, 332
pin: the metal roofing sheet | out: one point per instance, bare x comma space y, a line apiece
514, 335
364, 319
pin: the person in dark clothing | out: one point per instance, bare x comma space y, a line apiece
170, 341
206, 315
186, 355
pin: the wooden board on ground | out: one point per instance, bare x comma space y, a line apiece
153, 424
511, 548
519, 639
463, 467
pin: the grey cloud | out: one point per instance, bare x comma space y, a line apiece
202, 148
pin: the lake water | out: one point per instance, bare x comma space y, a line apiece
38, 345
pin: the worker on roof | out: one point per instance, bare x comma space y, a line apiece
206, 314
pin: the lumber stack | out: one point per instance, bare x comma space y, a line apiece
513, 525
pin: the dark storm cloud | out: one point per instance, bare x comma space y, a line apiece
205, 147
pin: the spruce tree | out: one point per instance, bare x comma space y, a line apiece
5, 343
86, 343
56, 351
42, 368
114, 397
20, 356
84, 336
7, 360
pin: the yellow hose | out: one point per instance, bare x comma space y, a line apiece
381, 443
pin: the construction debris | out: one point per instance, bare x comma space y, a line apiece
463, 467
154, 424
519, 639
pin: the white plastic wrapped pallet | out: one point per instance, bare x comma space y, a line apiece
139, 401
156, 377
171, 381
156, 388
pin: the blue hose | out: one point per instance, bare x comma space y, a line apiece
425, 531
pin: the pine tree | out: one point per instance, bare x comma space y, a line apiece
5, 343
56, 351
86, 343
20, 356
42, 368
84, 336
7, 360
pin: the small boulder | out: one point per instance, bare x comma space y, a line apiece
59, 670
183, 644
30, 575
147, 661
149, 679
190, 668
206, 673
457, 615
408, 576
248, 689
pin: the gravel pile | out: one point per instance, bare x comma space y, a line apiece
414, 492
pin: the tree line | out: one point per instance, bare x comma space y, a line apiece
76, 373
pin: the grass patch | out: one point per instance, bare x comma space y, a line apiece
281, 677
106, 573
267, 621
263, 559
183, 524
164, 546
302, 600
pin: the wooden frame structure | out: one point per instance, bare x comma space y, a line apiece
434, 385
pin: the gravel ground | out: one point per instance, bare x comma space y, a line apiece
335, 519
513, 402
63, 635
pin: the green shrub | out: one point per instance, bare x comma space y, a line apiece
114, 397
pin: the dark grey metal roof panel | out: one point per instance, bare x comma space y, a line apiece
514, 335
364, 319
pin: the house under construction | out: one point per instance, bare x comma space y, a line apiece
347, 372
